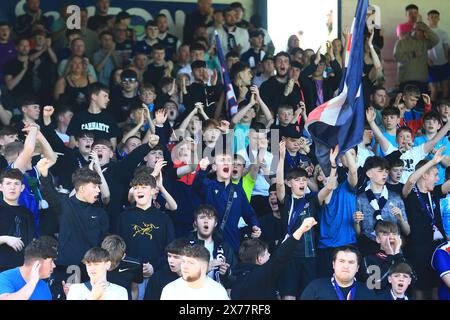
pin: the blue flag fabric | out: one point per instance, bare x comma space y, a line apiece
340, 121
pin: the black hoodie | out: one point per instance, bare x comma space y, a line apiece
81, 225
146, 234
258, 282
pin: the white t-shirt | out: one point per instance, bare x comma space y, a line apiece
79, 291
411, 158
437, 53
179, 290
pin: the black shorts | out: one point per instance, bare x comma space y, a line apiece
439, 73
296, 275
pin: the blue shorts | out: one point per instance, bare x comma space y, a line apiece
439, 73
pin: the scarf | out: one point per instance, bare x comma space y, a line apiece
379, 204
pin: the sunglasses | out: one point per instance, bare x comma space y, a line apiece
129, 80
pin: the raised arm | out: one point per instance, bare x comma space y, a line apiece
171, 204
238, 116
104, 188
280, 187
27, 290
324, 195
429, 146
186, 121
26, 155
5, 115
133, 132
352, 169
255, 91
409, 185
383, 141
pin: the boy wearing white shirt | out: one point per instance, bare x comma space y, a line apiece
97, 263
405, 151
194, 283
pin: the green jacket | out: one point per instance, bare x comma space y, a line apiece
412, 56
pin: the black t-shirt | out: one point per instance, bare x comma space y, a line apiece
146, 233
322, 289
199, 92
271, 228
157, 282
398, 188
307, 245
153, 75
103, 125
120, 106
272, 93
15, 221
421, 227
127, 272
25, 86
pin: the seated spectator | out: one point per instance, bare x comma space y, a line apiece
98, 262
29, 282
72, 88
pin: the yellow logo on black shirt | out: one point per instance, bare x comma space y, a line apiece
144, 231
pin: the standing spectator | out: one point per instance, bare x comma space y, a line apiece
18, 73
122, 104
201, 17
424, 214
45, 60
258, 273
411, 54
255, 55
438, 58
229, 200
412, 13
107, 58
232, 37
124, 46
279, 90
169, 41
90, 37
267, 71
16, 222
33, 17
151, 39
95, 118
377, 204
101, 16
7, 47
222, 255
239, 12
145, 229
159, 68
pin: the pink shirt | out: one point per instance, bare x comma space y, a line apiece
406, 27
